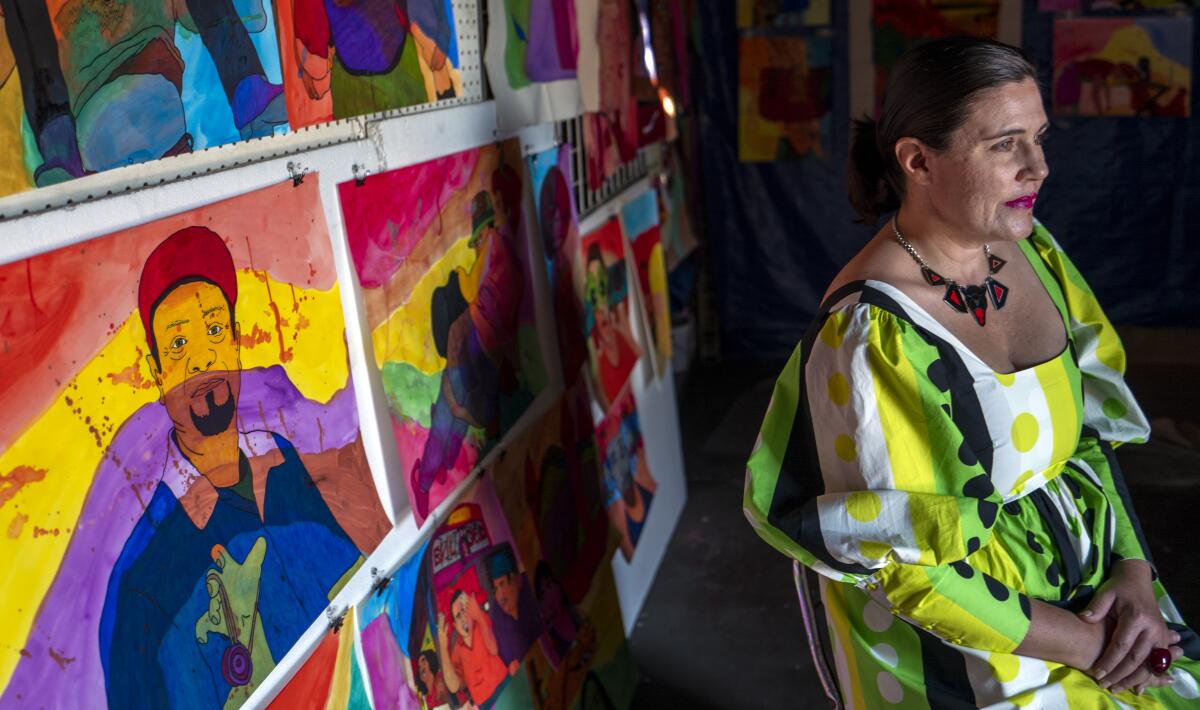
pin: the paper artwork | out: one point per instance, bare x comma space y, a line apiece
640, 220
457, 620
613, 348
330, 679
758, 14
550, 173
897, 25
785, 94
628, 485
441, 251
532, 58
88, 86
344, 59
678, 239
1123, 66
185, 484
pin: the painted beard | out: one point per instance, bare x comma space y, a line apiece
219, 416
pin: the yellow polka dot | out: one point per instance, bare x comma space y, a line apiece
834, 330
1020, 484
863, 506
839, 389
1006, 379
1024, 431
844, 447
1023, 699
873, 550
1005, 666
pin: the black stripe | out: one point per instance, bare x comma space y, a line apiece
946, 681
1118, 478
1072, 567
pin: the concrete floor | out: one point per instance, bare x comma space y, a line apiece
721, 626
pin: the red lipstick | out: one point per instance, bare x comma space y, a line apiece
1024, 202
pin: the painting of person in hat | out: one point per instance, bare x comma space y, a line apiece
474, 319
245, 539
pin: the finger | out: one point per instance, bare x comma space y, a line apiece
1119, 646
1099, 607
1135, 679
1176, 652
1133, 662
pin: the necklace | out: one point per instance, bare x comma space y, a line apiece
968, 298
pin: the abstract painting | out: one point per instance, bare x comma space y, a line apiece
532, 58
897, 25
183, 480
330, 679
1123, 66
628, 485
785, 94
613, 348
639, 218
441, 252
550, 173
758, 14
87, 86
456, 621
344, 59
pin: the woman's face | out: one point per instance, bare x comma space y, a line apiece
986, 181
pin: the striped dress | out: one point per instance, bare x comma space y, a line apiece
935, 497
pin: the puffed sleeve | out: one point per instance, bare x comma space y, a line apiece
1111, 413
861, 473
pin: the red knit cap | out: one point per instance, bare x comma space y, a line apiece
190, 253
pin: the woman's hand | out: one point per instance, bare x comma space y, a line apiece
1126, 602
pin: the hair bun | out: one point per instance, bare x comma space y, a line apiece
870, 192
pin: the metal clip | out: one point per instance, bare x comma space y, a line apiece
379, 582
336, 619
360, 174
297, 172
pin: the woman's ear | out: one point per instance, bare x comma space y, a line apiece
913, 157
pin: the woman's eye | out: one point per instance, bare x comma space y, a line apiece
214, 330
1004, 146
178, 342
1040, 139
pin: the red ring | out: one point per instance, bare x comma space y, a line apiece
1159, 661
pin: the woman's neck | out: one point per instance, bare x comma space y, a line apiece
953, 253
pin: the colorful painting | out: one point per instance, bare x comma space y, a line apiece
550, 172
628, 485
87, 86
613, 349
532, 58
183, 480
344, 59
678, 239
441, 252
898, 24
758, 14
1123, 66
456, 622
330, 679
615, 41
785, 94
609, 141
639, 219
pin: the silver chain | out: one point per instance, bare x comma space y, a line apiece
912, 251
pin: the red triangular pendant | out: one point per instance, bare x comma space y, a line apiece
955, 298
995, 263
976, 302
998, 292
980, 316
932, 277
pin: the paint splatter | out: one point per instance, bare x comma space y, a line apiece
21, 476
60, 659
17, 524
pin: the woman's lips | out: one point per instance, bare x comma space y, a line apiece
1024, 202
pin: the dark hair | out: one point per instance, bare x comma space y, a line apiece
435, 667
928, 97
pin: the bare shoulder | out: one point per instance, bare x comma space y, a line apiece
880, 259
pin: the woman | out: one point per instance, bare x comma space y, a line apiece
939, 447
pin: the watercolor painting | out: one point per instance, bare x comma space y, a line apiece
613, 349
785, 95
456, 622
558, 228
532, 59
628, 485
679, 241
897, 25
440, 249
639, 219
184, 482
330, 679
344, 59
760, 14
86, 86
1122, 66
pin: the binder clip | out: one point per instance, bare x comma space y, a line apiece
336, 619
360, 174
379, 582
296, 172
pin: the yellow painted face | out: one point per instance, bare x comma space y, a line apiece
198, 357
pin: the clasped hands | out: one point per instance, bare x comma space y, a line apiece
1126, 612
